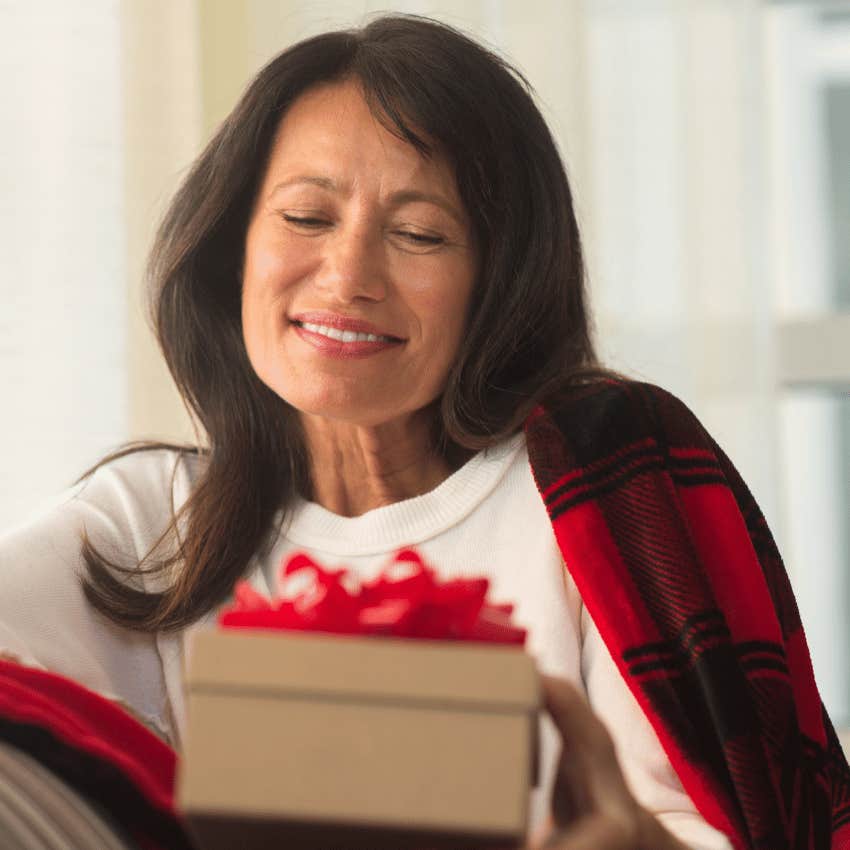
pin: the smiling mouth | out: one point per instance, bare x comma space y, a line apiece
341, 335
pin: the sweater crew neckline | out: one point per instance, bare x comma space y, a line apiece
410, 521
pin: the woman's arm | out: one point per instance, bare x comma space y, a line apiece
45, 619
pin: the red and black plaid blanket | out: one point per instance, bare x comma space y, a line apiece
681, 575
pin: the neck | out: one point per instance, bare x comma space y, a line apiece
355, 469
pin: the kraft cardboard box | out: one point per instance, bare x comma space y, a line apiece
322, 741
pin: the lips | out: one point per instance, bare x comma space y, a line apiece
314, 327
343, 323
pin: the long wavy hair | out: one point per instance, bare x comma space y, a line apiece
527, 338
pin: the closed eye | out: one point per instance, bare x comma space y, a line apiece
420, 238
313, 223
304, 221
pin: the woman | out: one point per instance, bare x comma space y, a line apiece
369, 291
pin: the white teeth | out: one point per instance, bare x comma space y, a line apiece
343, 336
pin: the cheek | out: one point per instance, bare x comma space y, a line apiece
260, 292
443, 307
268, 275
263, 272
274, 259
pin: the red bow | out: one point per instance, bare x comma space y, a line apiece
405, 600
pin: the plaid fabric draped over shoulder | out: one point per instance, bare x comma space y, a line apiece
681, 575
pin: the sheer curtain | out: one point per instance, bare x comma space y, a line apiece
808, 71
677, 200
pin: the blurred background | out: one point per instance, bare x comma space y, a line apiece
708, 143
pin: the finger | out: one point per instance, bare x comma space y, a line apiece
592, 806
582, 731
571, 795
588, 779
580, 728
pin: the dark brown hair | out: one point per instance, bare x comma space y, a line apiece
527, 335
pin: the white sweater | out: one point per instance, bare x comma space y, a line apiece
45, 620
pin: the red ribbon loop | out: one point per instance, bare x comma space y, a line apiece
405, 600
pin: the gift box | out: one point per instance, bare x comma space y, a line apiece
312, 740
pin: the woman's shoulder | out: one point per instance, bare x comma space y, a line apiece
124, 501
122, 507
614, 424
610, 413
141, 473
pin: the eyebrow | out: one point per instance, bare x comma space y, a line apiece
397, 199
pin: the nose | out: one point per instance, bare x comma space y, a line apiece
352, 266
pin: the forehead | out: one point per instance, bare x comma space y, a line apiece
330, 128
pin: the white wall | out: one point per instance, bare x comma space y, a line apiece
62, 287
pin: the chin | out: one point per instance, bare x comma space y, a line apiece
356, 405
350, 411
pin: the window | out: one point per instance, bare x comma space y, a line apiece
808, 69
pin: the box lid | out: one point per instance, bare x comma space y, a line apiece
497, 676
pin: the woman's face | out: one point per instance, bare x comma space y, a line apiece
353, 232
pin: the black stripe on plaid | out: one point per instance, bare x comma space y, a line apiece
677, 660
699, 480
680, 654
692, 622
601, 470
609, 486
683, 468
759, 654
697, 633
751, 664
598, 483
840, 817
691, 471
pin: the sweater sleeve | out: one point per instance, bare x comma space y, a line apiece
647, 770
45, 619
